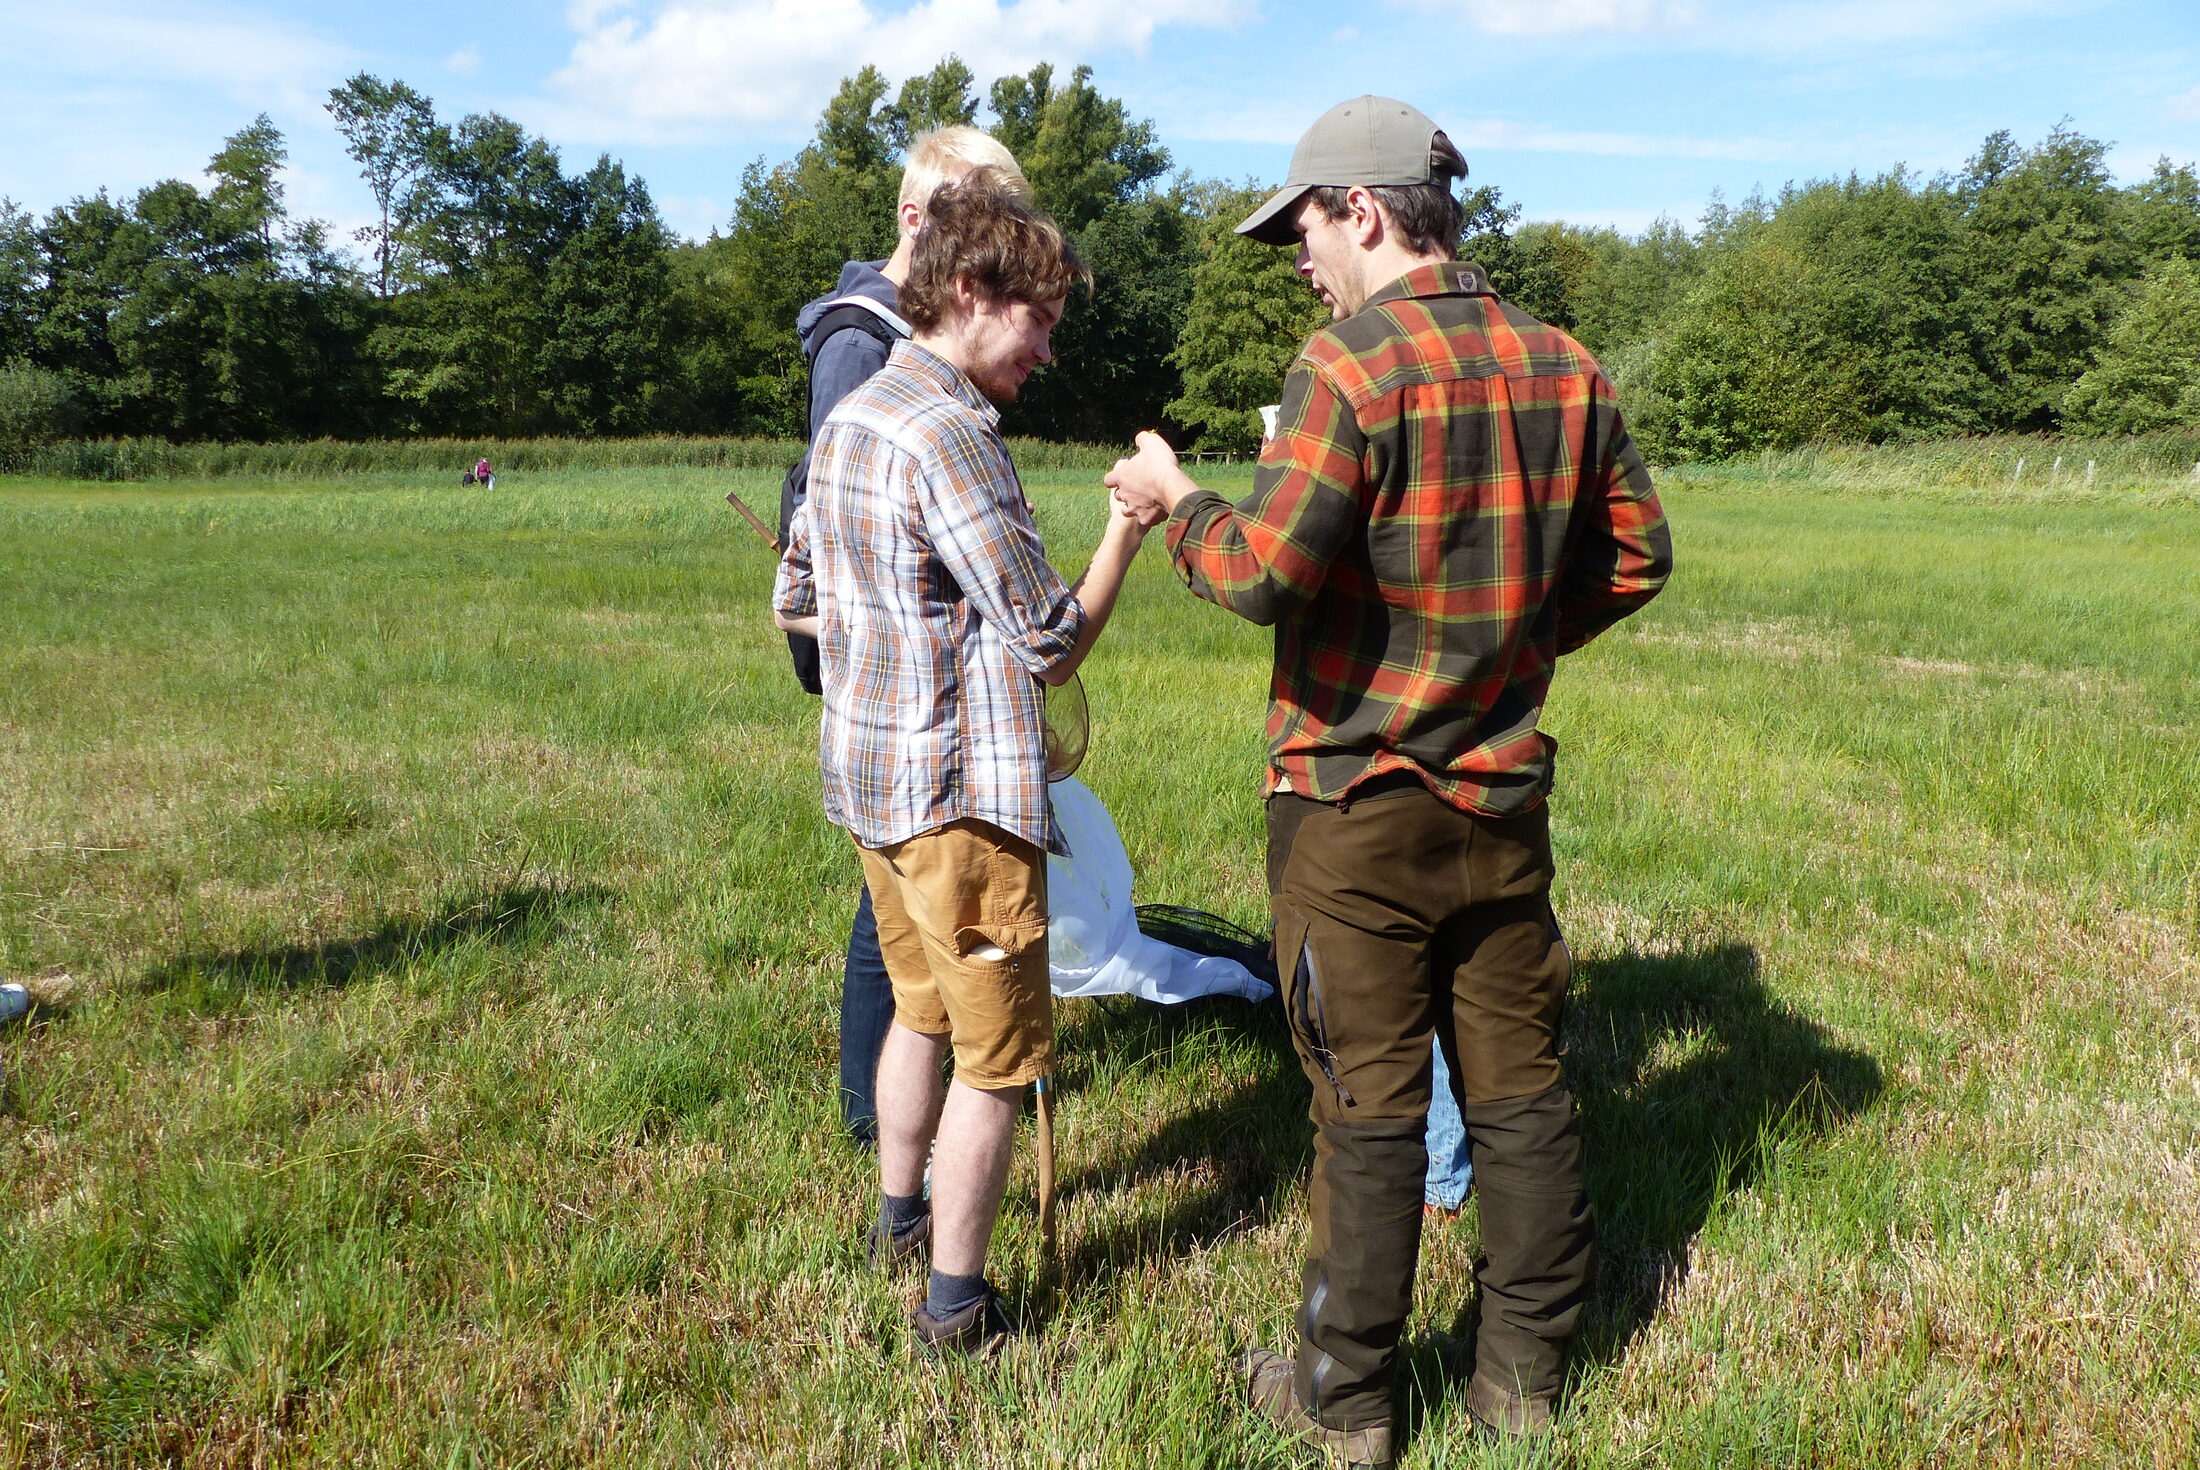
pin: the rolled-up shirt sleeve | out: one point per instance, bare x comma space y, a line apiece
974, 513
794, 591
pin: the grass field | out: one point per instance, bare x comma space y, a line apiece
435, 935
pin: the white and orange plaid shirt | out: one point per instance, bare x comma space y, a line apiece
936, 608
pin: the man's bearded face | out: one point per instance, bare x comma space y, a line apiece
1006, 343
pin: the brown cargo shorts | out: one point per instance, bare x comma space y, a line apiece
962, 923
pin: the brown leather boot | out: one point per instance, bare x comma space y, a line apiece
1504, 1413
887, 1249
979, 1330
1274, 1397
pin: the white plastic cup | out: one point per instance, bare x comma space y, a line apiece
1268, 412
15, 1002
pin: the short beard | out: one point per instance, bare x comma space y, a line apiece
996, 391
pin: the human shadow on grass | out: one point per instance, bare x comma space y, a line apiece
1240, 1144
515, 917
1689, 1075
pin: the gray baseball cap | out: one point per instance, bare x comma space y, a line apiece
1373, 141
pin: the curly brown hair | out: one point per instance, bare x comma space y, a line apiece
978, 231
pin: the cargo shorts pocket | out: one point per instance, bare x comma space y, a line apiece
1001, 1005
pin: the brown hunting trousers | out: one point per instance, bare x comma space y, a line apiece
1398, 915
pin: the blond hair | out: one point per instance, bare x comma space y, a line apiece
944, 155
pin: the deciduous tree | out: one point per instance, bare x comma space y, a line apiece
1248, 316
2148, 376
387, 129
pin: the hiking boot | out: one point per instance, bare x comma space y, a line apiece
1270, 1387
977, 1331
890, 1248
1503, 1413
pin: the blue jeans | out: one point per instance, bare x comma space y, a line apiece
866, 1010
1450, 1175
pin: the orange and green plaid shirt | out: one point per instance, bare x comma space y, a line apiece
1450, 503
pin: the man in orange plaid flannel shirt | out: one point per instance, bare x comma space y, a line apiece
1449, 504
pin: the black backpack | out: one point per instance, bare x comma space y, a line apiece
849, 313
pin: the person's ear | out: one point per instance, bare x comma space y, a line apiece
1366, 217
966, 296
912, 218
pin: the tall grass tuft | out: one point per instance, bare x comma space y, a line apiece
2005, 466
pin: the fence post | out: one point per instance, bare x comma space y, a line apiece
2089, 472
2055, 473
2019, 475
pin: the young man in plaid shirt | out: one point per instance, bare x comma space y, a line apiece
916, 565
1450, 503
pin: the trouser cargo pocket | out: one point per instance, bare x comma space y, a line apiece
1304, 1007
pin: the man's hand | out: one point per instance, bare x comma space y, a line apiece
1149, 484
1144, 515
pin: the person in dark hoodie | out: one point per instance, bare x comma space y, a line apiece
846, 336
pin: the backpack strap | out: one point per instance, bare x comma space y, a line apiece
843, 314
873, 318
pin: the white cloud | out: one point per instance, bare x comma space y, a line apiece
1814, 27
1277, 123
675, 68
119, 95
693, 215
1786, 27
1503, 136
248, 56
466, 60
1569, 17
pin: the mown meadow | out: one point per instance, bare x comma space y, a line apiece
435, 939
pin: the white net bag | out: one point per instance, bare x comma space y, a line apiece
1094, 945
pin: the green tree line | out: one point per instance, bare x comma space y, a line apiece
498, 293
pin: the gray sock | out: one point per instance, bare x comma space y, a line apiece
902, 1212
952, 1294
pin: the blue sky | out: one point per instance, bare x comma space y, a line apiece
1597, 111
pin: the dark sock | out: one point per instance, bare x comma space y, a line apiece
952, 1294
903, 1211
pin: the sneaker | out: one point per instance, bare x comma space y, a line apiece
15, 1003
1272, 1388
890, 1248
977, 1331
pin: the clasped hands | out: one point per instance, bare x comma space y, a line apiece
1147, 484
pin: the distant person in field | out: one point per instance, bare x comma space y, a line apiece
846, 336
483, 475
915, 563
1450, 504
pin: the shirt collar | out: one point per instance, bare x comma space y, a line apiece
952, 380
1444, 278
